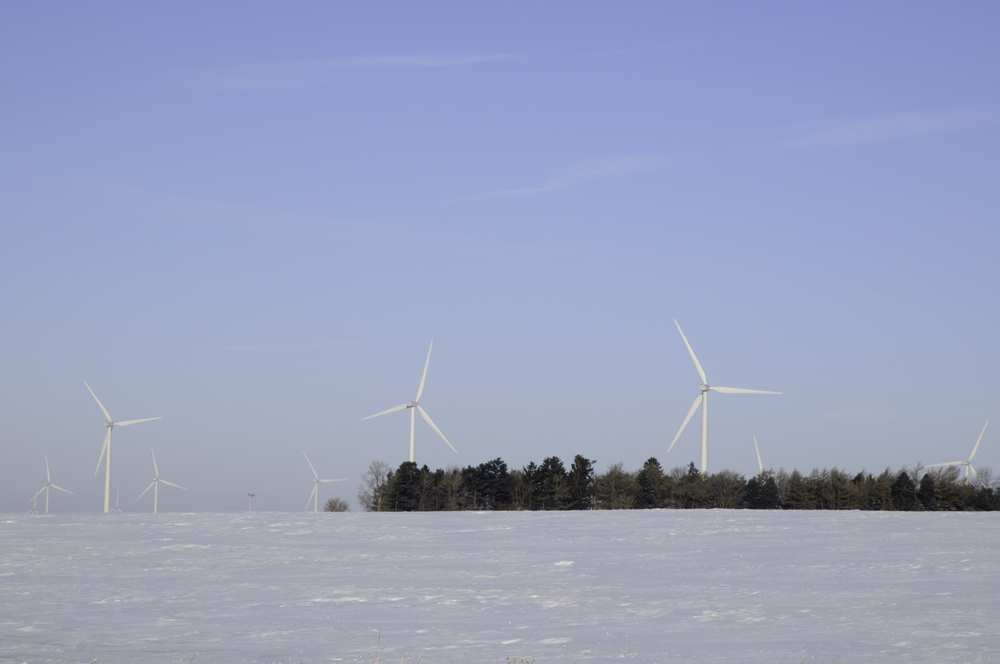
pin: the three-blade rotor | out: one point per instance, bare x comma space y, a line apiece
701, 401
314, 494
415, 404
968, 462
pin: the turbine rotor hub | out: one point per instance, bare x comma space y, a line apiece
109, 424
412, 404
704, 388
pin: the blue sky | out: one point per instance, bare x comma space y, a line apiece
251, 219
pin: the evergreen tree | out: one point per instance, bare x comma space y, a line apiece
550, 484
904, 495
769, 494
404, 488
649, 482
580, 483
927, 493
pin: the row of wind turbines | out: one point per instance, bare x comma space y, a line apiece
701, 401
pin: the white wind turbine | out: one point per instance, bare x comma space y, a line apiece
107, 447
702, 400
116, 509
967, 464
48, 485
415, 406
155, 484
314, 496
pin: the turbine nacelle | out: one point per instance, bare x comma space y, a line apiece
704, 388
412, 404
109, 424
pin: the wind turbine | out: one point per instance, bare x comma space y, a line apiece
48, 485
314, 496
760, 466
967, 464
415, 406
107, 447
702, 400
155, 484
116, 509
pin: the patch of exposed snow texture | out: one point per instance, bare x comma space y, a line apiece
651, 586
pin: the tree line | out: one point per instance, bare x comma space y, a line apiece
552, 486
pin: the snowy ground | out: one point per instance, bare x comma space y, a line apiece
651, 586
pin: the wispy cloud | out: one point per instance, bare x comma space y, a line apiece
309, 73
586, 171
860, 130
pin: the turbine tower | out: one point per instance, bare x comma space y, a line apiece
967, 464
107, 447
415, 406
48, 485
702, 401
314, 496
155, 484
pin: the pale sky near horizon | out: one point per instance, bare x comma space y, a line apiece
251, 219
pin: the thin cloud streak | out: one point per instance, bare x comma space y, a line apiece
891, 126
586, 171
310, 73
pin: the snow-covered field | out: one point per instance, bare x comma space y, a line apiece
651, 586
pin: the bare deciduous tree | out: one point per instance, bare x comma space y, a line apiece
374, 485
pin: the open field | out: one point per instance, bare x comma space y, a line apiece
650, 586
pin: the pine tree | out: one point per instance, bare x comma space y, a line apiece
581, 484
904, 496
927, 493
404, 489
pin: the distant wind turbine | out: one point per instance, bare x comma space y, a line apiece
250, 502
314, 496
48, 485
107, 447
702, 400
116, 509
967, 464
155, 484
760, 466
415, 406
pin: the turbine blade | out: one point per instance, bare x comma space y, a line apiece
739, 390
147, 489
950, 463
37, 494
310, 465
420, 390
760, 465
103, 409
311, 494
172, 484
128, 422
970, 456
342, 480
156, 471
697, 365
979, 479
384, 412
48, 475
694, 407
107, 436
62, 489
427, 418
